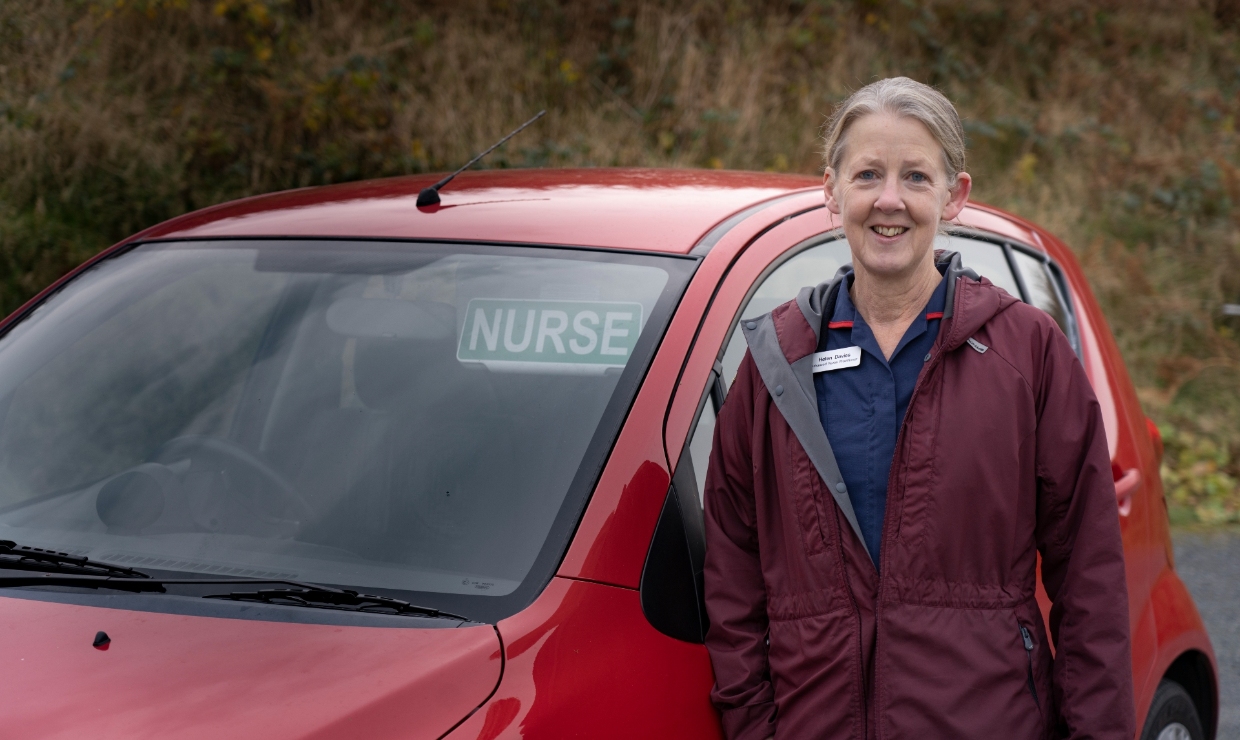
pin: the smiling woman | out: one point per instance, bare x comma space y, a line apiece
904, 439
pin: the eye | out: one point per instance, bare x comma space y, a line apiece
867, 175
918, 177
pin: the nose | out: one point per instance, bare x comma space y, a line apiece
889, 200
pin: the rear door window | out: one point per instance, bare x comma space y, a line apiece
986, 259
1041, 288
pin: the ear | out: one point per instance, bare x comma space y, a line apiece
958, 196
829, 181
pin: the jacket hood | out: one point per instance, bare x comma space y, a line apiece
970, 302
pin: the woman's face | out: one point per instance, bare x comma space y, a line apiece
890, 192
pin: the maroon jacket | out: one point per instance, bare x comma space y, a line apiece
1002, 455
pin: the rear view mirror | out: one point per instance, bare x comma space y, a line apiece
391, 318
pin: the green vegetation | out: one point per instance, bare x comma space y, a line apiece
1196, 481
1112, 123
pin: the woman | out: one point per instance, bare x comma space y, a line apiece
898, 445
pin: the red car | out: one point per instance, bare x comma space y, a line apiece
325, 464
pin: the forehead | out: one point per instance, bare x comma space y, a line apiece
885, 135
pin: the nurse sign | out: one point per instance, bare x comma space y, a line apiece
549, 335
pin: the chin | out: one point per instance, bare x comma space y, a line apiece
886, 261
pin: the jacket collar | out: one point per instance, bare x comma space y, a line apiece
963, 311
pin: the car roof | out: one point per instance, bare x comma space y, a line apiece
647, 209
664, 210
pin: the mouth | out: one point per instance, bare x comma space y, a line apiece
889, 230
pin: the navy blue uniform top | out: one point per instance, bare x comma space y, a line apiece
862, 407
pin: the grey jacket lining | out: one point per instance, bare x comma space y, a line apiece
799, 408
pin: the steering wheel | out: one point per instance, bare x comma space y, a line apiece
266, 484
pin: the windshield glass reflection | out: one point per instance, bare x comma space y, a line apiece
382, 416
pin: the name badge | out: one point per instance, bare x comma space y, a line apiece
837, 359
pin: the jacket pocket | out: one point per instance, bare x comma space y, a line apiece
943, 672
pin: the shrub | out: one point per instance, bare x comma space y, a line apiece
1201, 478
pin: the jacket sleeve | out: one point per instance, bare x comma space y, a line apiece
1082, 555
735, 591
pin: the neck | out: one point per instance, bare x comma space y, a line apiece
886, 301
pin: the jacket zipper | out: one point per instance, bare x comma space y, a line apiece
936, 356
1028, 641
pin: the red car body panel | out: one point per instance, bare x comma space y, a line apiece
169, 675
584, 662
581, 660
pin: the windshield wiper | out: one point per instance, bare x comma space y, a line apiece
145, 583
305, 594
321, 597
20, 557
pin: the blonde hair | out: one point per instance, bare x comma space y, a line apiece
899, 96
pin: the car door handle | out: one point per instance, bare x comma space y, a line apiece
1125, 486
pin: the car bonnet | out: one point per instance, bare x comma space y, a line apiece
174, 675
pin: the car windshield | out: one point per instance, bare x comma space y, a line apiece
377, 415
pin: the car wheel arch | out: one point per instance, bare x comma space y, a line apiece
1193, 670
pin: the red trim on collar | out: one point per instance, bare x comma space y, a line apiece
848, 324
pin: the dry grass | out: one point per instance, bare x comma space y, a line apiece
1112, 123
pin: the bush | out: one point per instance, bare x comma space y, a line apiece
1201, 479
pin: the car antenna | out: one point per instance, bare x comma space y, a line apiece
430, 196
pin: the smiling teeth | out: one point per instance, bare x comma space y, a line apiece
890, 230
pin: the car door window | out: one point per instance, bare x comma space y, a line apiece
780, 285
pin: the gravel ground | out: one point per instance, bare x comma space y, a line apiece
1209, 564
